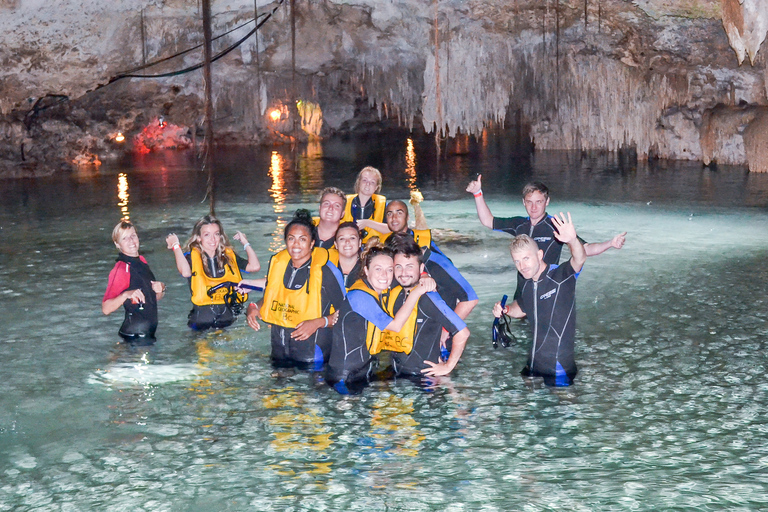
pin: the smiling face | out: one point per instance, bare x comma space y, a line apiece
396, 216
210, 238
348, 242
368, 184
331, 208
128, 242
380, 271
407, 270
529, 261
299, 244
536, 205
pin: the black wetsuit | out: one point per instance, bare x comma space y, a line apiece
354, 275
549, 304
434, 315
316, 349
361, 212
140, 321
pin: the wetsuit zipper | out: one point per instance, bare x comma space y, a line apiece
535, 321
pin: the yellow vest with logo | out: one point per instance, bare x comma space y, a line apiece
379, 204
288, 308
402, 340
423, 237
200, 282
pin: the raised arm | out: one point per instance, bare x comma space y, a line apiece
253, 260
566, 233
182, 265
483, 212
616, 242
418, 213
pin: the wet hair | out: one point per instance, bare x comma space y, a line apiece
374, 248
347, 225
302, 217
372, 170
521, 243
535, 186
403, 243
220, 258
334, 191
122, 226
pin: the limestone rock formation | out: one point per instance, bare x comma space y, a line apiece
663, 78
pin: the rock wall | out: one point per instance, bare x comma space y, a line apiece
655, 76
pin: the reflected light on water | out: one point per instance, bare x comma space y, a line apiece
277, 193
410, 164
122, 195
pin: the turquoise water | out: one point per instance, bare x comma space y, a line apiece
668, 410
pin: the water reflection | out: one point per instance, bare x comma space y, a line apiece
122, 195
410, 164
277, 193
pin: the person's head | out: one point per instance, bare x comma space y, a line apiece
407, 259
348, 240
528, 258
332, 204
396, 216
300, 235
377, 265
125, 238
208, 236
368, 181
536, 200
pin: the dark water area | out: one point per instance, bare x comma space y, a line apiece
667, 412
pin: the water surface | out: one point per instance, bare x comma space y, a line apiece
667, 411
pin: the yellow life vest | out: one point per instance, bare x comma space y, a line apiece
288, 308
373, 333
201, 282
402, 340
333, 256
379, 204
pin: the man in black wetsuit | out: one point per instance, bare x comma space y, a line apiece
538, 225
548, 298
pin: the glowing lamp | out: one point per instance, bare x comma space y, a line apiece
119, 137
275, 115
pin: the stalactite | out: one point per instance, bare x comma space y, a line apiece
208, 115
438, 95
557, 53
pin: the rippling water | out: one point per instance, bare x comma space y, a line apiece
668, 410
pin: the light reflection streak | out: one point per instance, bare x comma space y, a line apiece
410, 164
277, 192
122, 195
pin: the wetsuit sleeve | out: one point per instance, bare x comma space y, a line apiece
447, 318
241, 264
367, 307
563, 271
449, 279
508, 224
119, 281
333, 286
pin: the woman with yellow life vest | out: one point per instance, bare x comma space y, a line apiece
346, 252
302, 293
209, 261
357, 335
366, 205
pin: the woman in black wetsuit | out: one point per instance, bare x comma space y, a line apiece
132, 285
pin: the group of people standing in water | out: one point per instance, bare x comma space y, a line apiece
356, 283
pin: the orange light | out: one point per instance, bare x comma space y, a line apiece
119, 137
275, 115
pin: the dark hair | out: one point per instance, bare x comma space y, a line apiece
374, 248
302, 217
345, 225
535, 186
403, 243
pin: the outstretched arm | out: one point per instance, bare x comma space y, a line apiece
566, 233
182, 265
253, 260
483, 212
616, 242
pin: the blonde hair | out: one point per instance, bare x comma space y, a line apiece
374, 248
220, 257
372, 170
521, 243
334, 191
122, 227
